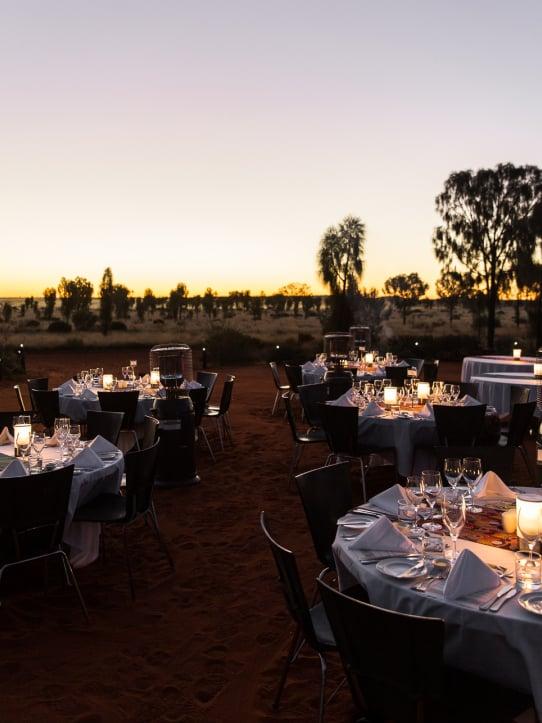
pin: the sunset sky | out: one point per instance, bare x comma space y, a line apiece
212, 142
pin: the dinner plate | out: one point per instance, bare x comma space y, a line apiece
401, 567
107, 455
531, 601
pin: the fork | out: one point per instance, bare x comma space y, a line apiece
423, 585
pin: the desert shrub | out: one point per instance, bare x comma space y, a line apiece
32, 324
84, 320
226, 346
118, 326
59, 326
158, 321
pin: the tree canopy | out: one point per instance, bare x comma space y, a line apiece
407, 289
341, 256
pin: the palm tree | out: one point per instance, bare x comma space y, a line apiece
340, 257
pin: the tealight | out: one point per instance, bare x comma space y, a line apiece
22, 432
155, 377
369, 357
516, 353
537, 368
390, 396
509, 521
529, 511
107, 381
423, 390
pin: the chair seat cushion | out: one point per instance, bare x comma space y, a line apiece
321, 625
106, 507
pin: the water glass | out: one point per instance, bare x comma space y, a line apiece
472, 471
453, 467
406, 513
528, 570
431, 485
454, 514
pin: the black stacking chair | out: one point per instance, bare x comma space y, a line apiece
294, 375
520, 422
519, 395
150, 432
46, 405
19, 398
125, 402
312, 627
221, 414
135, 504
326, 495
459, 426
199, 398
32, 517
470, 388
497, 459
393, 661
337, 386
105, 424
41, 383
429, 371
397, 375
341, 429
313, 436
207, 380
281, 388
311, 396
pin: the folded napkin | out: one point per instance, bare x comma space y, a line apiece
15, 469
191, 385
491, 486
87, 459
99, 445
161, 393
469, 576
402, 363
345, 400
427, 411
372, 410
89, 396
145, 379
387, 501
52, 441
468, 401
382, 536
6, 437
67, 388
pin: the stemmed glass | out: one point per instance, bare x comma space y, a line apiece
453, 469
472, 471
529, 528
61, 429
455, 390
38, 443
431, 486
454, 514
74, 436
415, 495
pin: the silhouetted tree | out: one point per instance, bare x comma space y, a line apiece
528, 272
122, 301
208, 302
49, 298
149, 301
75, 295
7, 312
407, 290
106, 300
486, 220
177, 301
196, 304
450, 289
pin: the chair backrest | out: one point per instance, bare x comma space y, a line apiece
470, 388
140, 469
393, 661
106, 424
33, 511
207, 380
459, 426
326, 495
276, 375
6, 420
520, 421
199, 399
337, 386
311, 396
150, 431
495, 458
519, 395
19, 397
397, 375
429, 371
290, 416
290, 582
225, 397
41, 383
294, 375
416, 363
46, 404
341, 428
125, 402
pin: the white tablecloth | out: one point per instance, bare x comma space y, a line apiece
504, 647
84, 537
496, 395
76, 408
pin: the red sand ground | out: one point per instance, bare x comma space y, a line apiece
203, 644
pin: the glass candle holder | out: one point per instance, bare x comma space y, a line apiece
528, 570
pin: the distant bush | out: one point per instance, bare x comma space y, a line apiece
118, 326
226, 346
84, 320
158, 321
32, 323
60, 326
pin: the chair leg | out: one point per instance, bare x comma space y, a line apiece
227, 422
296, 456
219, 430
128, 565
363, 487
69, 570
292, 654
206, 439
323, 669
136, 439
275, 403
161, 541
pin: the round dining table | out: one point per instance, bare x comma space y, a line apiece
495, 376
76, 406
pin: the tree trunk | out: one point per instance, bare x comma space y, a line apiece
491, 315
539, 320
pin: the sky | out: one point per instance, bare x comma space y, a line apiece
214, 141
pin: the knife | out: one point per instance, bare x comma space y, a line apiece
498, 605
491, 601
365, 561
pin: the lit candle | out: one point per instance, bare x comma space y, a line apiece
509, 521
107, 381
537, 367
155, 377
528, 510
390, 396
22, 432
423, 390
369, 358
516, 353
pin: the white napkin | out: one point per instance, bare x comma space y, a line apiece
87, 459
382, 536
387, 501
89, 396
145, 379
372, 410
468, 401
402, 363
491, 486
469, 576
15, 469
345, 400
52, 441
102, 446
427, 411
161, 394
6, 437
67, 388
191, 385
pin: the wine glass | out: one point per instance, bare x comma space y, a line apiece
454, 515
431, 486
414, 493
530, 528
455, 391
472, 471
74, 436
38, 443
453, 469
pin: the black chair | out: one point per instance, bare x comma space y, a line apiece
150, 432
199, 399
221, 414
125, 402
337, 386
313, 436
459, 426
19, 398
341, 429
429, 371
207, 380
32, 517
326, 495
6, 420
520, 422
470, 388
519, 395
312, 627
135, 504
311, 396
393, 661
40, 383
397, 375
497, 459
294, 375
46, 405
281, 388
105, 424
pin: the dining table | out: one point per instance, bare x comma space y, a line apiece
496, 375
75, 406
83, 538
502, 646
